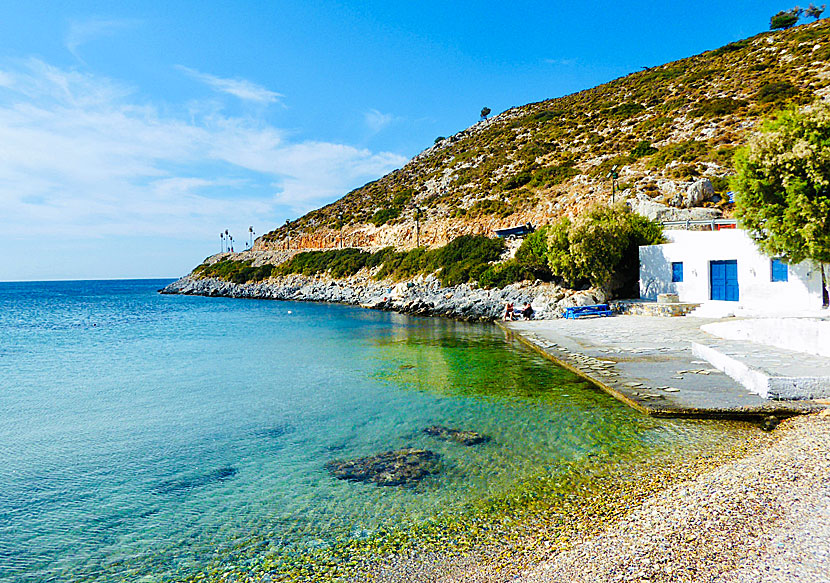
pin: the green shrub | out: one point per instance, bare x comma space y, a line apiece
532, 254
784, 19
384, 215
776, 92
686, 151
234, 271
502, 274
515, 181
717, 107
642, 149
338, 262
464, 258
625, 110
489, 206
601, 246
553, 175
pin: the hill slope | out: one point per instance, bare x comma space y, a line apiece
663, 127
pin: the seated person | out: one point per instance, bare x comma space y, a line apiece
508, 312
527, 312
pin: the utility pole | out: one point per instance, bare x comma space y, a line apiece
340, 223
251, 236
221, 242
288, 233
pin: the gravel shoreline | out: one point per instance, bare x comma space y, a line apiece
764, 517
761, 516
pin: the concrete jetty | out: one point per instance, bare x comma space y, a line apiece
656, 365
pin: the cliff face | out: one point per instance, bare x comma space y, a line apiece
664, 129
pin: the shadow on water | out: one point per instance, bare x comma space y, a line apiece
186, 484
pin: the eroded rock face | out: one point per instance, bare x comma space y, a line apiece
456, 435
391, 468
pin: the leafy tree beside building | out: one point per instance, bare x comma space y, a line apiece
783, 187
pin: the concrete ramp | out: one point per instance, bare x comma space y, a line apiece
772, 373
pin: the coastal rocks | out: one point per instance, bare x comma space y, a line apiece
391, 468
423, 295
456, 435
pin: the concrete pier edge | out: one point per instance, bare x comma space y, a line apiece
752, 414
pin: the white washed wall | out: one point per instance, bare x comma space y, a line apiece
697, 248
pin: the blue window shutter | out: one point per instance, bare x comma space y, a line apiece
778, 270
677, 271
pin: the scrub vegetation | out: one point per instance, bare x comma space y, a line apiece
675, 121
599, 248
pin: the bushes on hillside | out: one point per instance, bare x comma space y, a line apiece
600, 248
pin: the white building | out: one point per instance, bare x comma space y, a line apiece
726, 268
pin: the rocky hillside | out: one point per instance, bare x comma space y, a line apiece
666, 129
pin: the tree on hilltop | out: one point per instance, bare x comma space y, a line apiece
783, 187
815, 11
785, 19
485, 111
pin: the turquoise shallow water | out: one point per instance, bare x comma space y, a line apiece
147, 437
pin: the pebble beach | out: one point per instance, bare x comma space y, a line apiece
762, 516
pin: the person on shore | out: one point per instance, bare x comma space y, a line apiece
508, 312
527, 312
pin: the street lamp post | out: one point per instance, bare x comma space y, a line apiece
613, 175
251, 236
288, 233
340, 230
417, 226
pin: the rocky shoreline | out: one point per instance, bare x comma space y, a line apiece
422, 295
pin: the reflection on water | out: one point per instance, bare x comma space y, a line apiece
155, 437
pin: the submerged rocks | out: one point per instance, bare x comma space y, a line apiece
462, 437
391, 468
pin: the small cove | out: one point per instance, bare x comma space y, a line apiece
154, 437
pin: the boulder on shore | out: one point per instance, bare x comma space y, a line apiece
391, 468
462, 437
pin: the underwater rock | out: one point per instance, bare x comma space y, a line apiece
275, 432
391, 468
462, 437
173, 486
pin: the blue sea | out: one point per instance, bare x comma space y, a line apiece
149, 437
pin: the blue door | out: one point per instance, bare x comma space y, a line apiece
723, 280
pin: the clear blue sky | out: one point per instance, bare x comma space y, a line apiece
133, 132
